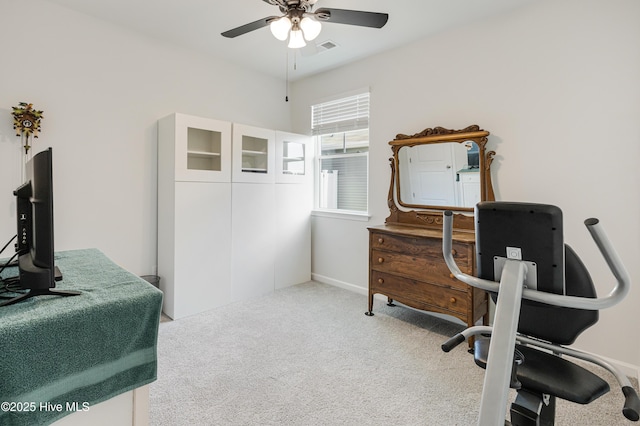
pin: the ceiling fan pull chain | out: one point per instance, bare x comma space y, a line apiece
286, 88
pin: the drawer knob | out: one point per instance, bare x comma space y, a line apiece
452, 300
380, 240
454, 252
451, 276
380, 260
380, 280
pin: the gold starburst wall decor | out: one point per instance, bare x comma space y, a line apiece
26, 123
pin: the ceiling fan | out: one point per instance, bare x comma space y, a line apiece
299, 23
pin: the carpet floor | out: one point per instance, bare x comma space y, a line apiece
307, 355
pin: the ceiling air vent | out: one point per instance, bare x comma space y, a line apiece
326, 45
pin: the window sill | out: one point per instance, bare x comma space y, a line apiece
342, 214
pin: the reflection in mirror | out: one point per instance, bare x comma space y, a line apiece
443, 174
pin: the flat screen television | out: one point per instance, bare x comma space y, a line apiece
35, 246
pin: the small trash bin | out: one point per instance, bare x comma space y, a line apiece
153, 279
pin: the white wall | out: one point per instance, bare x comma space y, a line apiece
102, 89
557, 84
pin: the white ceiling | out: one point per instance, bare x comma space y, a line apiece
197, 24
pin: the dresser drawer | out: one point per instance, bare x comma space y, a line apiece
418, 293
425, 269
411, 245
430, 248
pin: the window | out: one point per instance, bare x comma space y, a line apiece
341, 129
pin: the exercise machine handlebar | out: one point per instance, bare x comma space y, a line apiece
631, 408
606, 249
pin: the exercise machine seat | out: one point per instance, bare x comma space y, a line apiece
550, 374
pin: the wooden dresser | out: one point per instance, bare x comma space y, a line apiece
405, 254
406, 265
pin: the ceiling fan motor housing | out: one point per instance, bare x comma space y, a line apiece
289, 5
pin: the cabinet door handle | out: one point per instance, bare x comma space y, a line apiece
380, 260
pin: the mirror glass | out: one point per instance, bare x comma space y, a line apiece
440, 174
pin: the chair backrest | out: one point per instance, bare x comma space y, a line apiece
535, 231
557, 324
525, 231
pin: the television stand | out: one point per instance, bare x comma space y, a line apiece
40, 292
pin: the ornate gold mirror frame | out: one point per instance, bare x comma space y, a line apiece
430, 216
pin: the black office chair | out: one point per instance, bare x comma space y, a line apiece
533, 232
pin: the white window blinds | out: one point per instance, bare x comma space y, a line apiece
341, 115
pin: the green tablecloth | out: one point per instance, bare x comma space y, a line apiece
60, 354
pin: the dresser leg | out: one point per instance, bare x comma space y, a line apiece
369, 313
390, 302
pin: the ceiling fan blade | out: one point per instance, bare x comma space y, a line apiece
276, 2
352, 17
243, 29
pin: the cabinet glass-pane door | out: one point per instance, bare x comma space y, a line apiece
198, 149
204, 149
255, 154
293, 160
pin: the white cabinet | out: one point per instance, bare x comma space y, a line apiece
271, 225
470, 188
234, 206
294, 201
194, 213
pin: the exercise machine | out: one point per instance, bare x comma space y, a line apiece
544, 299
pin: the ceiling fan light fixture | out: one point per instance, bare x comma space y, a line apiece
280, 28
296, 39
310, 28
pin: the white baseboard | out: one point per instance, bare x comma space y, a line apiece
629, 370
341, 284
